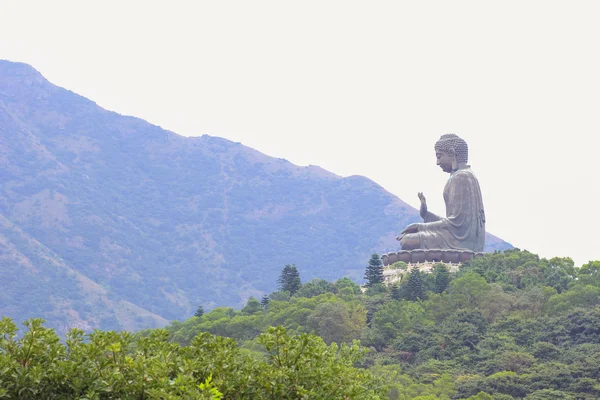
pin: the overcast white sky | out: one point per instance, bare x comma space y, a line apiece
358, 88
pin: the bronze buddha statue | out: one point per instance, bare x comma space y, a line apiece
463, 227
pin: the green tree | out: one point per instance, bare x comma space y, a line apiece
280, 296
252, 306
374, 271
374, 303
119, 365
514, 361
441, 276
395, 318
481, 396
304, 367
377, 289
558, 272
264, 302
414, 285
289, 280
578, 296
347, 283
338, 321
589, 273
199, 311
398, 291
468, 290
315, 288
549, 394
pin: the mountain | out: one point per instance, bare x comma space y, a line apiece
107, 221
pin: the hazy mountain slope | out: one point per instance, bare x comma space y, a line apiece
163, 222
37, 282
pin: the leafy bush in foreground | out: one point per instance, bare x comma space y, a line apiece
111, 365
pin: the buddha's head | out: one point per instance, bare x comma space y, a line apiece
451, 152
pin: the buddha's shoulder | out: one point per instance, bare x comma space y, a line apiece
465, 173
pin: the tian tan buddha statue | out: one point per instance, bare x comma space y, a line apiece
463, 227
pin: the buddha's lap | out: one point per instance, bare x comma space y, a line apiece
410, 241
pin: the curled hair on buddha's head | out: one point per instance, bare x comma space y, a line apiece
449, 143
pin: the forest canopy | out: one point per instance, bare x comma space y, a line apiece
508, 325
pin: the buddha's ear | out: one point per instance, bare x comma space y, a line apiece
452, 153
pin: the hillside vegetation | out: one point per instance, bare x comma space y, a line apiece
505, 326
510, 324
107, 221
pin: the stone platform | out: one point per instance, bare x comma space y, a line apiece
448, 256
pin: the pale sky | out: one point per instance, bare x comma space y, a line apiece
358, 88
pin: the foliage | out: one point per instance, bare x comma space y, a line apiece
441, 275
338, 321
264, 301
374, 271
316, 287
414, 285
111, 365
199, 311
401, 265
289, 280
252, 307
493, 333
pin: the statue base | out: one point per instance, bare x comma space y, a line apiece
448, 256
392, 275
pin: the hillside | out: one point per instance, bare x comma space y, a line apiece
504, 326
110, 222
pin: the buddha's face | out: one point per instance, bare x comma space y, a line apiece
444, 160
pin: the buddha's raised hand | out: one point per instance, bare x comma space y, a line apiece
423, 210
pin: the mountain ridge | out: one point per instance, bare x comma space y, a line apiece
164, 222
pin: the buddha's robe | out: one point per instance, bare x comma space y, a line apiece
464, 225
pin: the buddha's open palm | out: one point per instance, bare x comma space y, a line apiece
423, 210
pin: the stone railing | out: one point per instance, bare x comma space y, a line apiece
449, 256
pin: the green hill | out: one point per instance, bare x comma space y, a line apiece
109, 222
505, 326
511, 325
